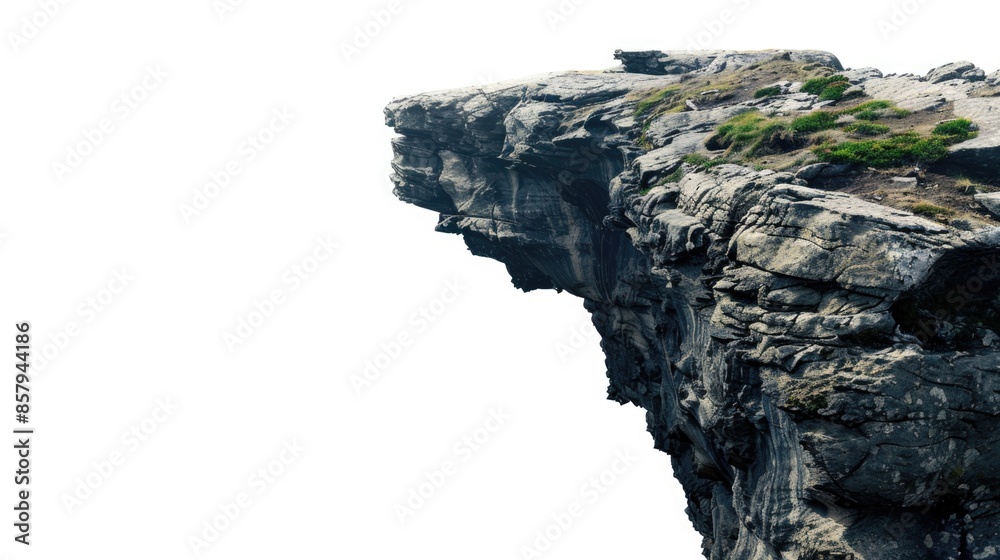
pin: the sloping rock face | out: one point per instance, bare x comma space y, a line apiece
824, 371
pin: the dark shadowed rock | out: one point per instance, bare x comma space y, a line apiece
820, 170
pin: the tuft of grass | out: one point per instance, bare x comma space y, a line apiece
876, 105
867, 129
716, 162
867, 115
930, 209
703, 161
745, 129
834, 92
656, 99
754, 133
958, 130
674, 177
897, 150
696, 159
815, 122
767, 92
874, 110
828, 88
816, 86
968, 186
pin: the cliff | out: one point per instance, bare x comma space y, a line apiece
793, 268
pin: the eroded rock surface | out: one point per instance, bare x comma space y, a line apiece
823, 370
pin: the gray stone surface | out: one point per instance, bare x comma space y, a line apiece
821, 170
981, 155
991, 202
823, 371
956, 71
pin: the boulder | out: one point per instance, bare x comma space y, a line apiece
956, 71
991, 202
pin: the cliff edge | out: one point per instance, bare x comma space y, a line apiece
793, 267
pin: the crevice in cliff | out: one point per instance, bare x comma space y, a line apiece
957, 305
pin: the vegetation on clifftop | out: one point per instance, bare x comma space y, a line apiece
752, 134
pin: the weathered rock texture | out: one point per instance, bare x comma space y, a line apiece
823, 370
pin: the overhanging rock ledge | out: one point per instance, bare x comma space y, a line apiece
817, 349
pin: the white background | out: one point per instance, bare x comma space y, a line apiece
325, 174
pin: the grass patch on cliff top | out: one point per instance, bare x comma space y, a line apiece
899, 149
767, 92
867, 129
725, 88
832, 88
753, 134
705, 162
875, 110
876, 135
656, 100
890, 143
925, 208
958, 130
873, 134
908, 148
749, 131
815, 122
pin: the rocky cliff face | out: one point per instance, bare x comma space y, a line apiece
811, 329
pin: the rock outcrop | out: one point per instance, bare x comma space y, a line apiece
819, 356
